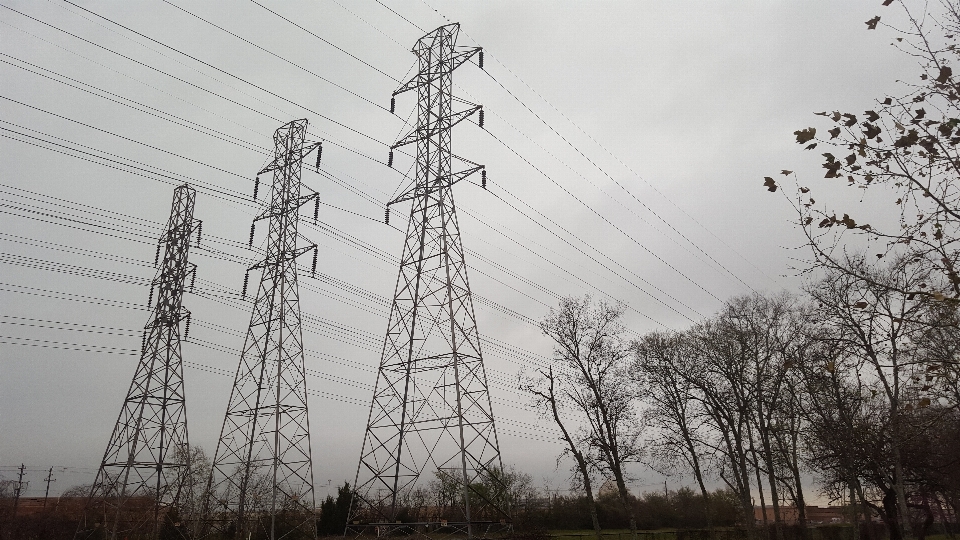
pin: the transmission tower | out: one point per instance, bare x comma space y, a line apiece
141, 471
262, 478
431, 420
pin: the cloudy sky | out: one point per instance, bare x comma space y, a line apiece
626, 144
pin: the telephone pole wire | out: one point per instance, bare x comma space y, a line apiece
48, 479
18, 490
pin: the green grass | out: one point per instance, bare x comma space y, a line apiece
613, 534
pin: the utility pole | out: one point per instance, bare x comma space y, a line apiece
431, 414
48, 479
18, 490
148, 451
262, 477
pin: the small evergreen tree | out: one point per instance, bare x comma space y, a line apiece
334, 512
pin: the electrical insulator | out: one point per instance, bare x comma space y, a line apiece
393, 104
193, 278
252, 227
480, 62
150, 298
143, 343
481, 117
483, 179
199, 232
186, 331
256, 187
316, 209
319, 153
313, 268
390, 159
246, 279
156, 258
386, 216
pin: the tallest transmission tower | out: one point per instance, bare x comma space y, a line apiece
431, 419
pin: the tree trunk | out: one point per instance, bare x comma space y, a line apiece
854, 514
772, 480
625, 501
904, 514
590, 500
763, 501
708, 512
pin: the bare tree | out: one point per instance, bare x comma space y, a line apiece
545, 393
659, 362
875, 323
589, 347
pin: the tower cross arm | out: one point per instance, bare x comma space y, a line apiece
419, 191
293, 156
284, 257
421, 79
270, 212
419, 133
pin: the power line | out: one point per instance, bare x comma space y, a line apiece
101, 130
135, 105
271, 53
533, 430
351, 55
241, 79
496, 138
611, 154
568, 231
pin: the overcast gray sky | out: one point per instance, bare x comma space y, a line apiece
645, 129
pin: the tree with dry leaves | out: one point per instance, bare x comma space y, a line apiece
871, 321
906, 148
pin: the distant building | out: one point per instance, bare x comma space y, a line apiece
816, 515
70, 507
608, 488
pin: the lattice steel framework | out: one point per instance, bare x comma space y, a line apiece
431, 419
262, 478
142, 467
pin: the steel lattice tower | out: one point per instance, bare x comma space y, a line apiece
262, 478
148, 449
431, 419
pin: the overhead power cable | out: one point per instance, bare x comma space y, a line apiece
335, 46
84, 124
216, 289
102, 330
271, 53
619, 229
241, 79
607, 151
135, 105
327, 139
194, 58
